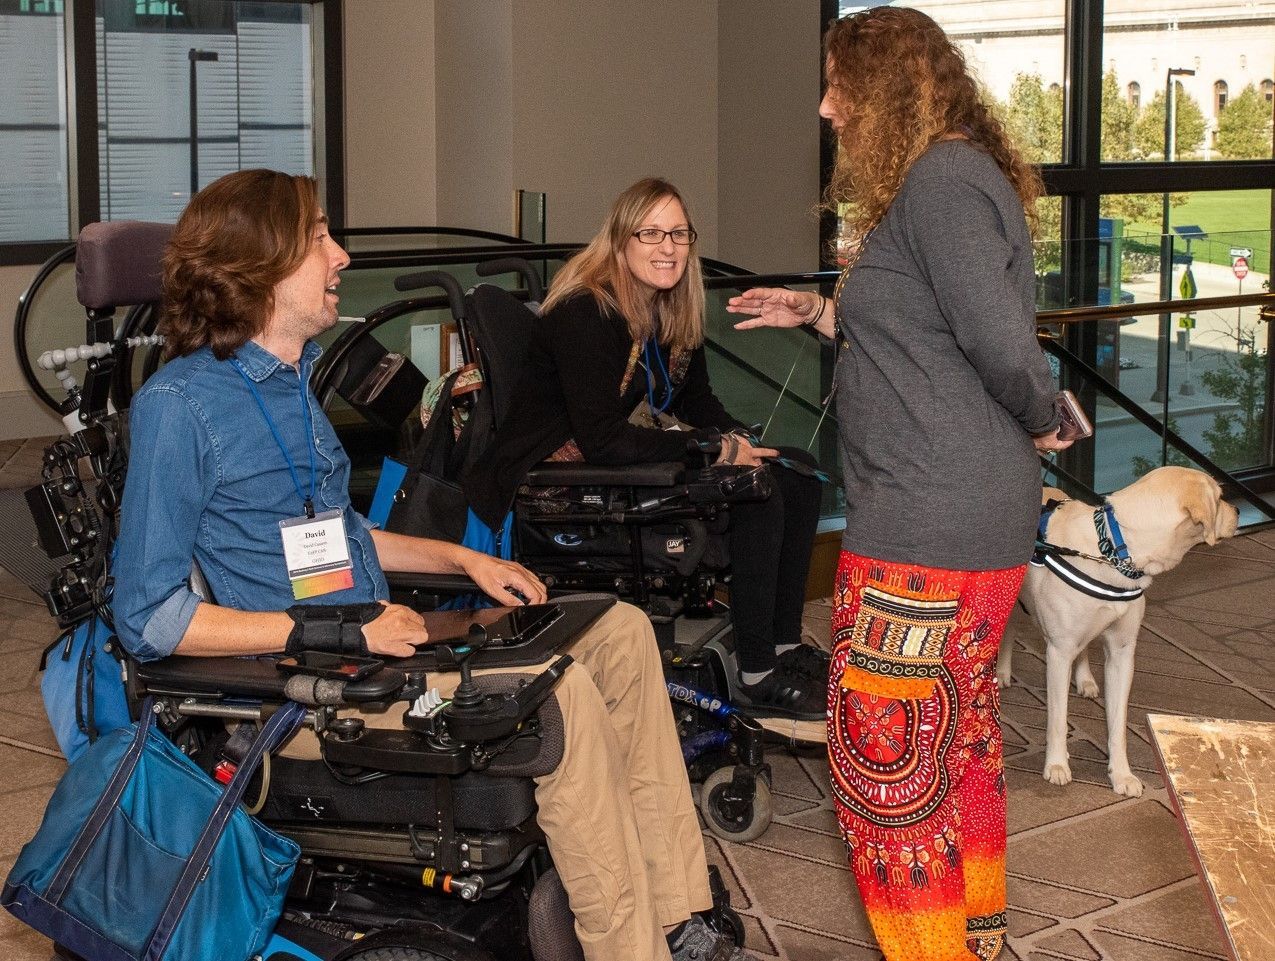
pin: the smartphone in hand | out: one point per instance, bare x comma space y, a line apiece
1074, 425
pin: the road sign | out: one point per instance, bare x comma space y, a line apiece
1245, 252
1240, 266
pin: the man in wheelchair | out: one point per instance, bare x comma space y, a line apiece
233, 464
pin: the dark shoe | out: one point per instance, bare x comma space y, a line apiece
807, 661
698, 941
784, 693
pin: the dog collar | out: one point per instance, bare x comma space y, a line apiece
1111, 543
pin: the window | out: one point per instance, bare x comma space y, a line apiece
1147, 40
250, 68
1268, 90
34, 204
249, 63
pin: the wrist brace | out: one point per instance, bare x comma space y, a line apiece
335, 628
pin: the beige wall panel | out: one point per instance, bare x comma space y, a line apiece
21, 415
390, 113
607, 92
768, 57
475, 145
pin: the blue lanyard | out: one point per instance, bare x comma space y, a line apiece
309, 434
650, 379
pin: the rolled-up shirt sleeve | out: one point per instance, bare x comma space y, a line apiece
960, 242
173, 470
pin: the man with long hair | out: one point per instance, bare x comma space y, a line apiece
943, 400
233, 464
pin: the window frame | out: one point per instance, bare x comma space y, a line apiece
83, 173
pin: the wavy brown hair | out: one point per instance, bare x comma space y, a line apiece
236, 239
602, 270
900, 85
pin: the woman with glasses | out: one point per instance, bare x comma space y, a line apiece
943, 400
616, 360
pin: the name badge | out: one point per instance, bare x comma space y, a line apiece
317, 554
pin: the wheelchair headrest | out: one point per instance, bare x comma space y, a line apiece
118, 264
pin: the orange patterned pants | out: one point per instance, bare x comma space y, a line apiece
914, 745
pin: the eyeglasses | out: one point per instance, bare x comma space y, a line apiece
682, 236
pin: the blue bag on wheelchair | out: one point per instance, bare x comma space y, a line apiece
83, 686
141, 856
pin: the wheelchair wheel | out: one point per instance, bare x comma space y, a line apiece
725, 818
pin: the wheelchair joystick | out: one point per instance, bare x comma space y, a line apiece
467, 698
475, 716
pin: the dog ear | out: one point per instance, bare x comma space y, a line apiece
1201, 503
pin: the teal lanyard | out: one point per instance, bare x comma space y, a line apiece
650, 377
309, 434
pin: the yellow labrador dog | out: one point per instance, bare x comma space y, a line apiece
1144, 529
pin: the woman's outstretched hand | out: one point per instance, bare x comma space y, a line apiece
777, 307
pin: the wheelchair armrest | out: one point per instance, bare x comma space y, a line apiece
254, 677
444, 584
578, 474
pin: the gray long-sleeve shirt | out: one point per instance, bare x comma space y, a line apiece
942, 383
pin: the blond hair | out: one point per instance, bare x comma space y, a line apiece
901, 85
602, 269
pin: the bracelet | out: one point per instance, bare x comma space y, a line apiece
336, 628
823, 303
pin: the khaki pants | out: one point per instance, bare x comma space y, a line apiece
617, 811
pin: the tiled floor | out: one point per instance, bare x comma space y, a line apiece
1093, 876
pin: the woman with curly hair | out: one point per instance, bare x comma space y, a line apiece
943, 400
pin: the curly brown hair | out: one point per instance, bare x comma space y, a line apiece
236, 239
899, 85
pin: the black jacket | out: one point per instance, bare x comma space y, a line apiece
570, 388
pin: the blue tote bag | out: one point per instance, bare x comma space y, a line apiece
143, 857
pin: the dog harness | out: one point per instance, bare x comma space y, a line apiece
1111, 546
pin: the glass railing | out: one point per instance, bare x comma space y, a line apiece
1178, 382
1182, 383
780, 380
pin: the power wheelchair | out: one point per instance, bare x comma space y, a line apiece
418, 844
651, 533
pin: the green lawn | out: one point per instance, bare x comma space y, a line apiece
1232, 218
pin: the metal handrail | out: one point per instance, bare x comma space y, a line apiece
1130, 407
1088, 315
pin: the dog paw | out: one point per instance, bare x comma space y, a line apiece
1126, 784
1003, 680
1058, 773
1087, 688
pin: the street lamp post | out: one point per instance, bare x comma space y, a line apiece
195, 56
1166, 238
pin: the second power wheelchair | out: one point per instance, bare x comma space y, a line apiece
652, 533
418, 844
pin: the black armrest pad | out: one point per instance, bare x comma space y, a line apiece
450, 584
249, 677
577, 474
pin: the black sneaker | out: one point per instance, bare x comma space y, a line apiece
698, 941
783, 693
807, 661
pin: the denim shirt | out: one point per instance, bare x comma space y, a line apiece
207, 480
